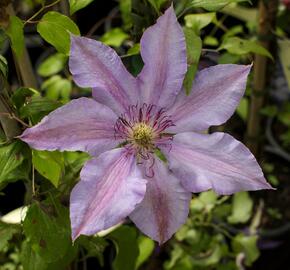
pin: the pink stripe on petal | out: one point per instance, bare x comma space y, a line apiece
216, 161
215, 95
96, 65
163, 51
82, 124
110, 187
165, 206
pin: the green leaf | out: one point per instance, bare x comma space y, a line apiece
76, 5
241, 13
146, 247
211, 41
270, 110
95, 246
240, 46
16, 35
6, 233
126, 8
57, 87
55, 28
242, 208
284, 55
213, 5
47, 228
193, 49
49, 164
11, 158
134, 50
30, 259
52, 65
3, 66
248, 246
37, 108
242, 109
115, 37
233, 31
21, 95
125, 240
157, 4
199, 21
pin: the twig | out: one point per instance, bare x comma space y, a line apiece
39, 11
99, 23
13, 116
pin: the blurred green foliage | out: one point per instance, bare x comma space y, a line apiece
216, 234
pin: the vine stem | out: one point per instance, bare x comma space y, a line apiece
12, 116
23, 63
41, 10
267, 16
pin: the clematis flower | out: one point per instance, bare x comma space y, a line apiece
131, 121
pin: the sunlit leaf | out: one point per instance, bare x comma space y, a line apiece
115, 37
284, 55
146, 247
126, 8
242, 208
240, 46
57, 87
49, 164
242, 109
213, 5
199, 21
55, 28
211, 41
247, 245
241, 12
125, 240
134, 50
52, 65
76, 5
193, 49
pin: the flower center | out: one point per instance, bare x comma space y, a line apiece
143, 135
143, 129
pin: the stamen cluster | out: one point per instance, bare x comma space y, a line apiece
142, 127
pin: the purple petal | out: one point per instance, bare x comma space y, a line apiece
110, 187
215, 95
96, 65
165, 206
164, 53
83, 124
216, 161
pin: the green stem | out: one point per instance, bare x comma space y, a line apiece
23, 63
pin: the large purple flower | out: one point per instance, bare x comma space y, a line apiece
131, 121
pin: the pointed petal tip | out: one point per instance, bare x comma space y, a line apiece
75, 235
